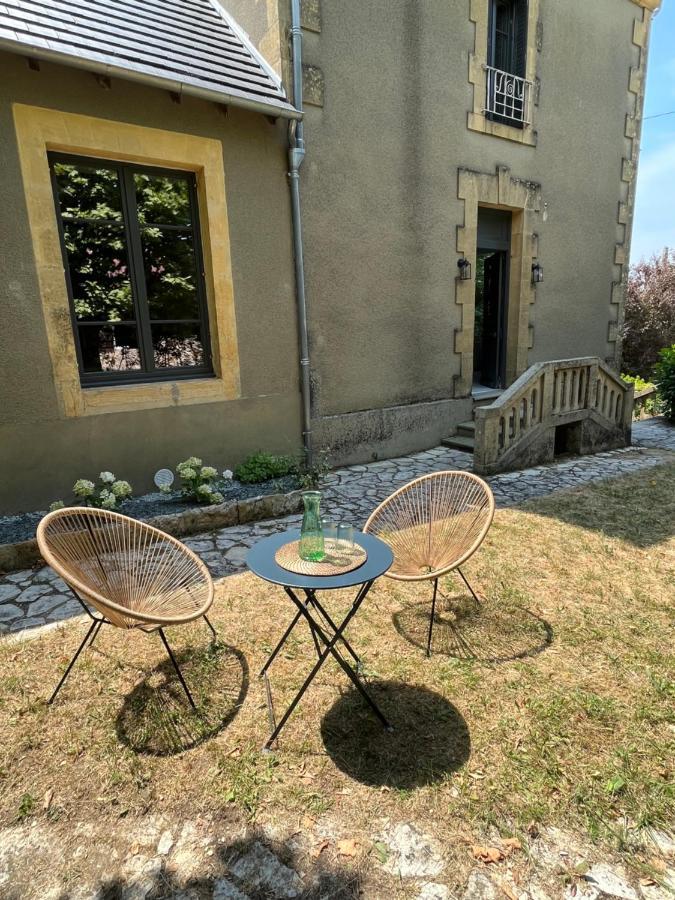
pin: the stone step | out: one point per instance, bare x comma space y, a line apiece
467, 429
459, 442
486, 398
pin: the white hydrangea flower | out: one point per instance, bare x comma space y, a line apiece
228, 474
208, 472
106, 477
121, 489
83, 488
193, 461
110, 502
57, 504
187, 473
205, 490
165, 488
217, 497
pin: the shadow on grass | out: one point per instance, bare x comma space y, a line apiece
637, 508
251, 867
487, 632
430, 737
156, 718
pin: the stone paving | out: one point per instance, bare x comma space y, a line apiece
37, 597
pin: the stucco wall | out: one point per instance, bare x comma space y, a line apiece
40, 453
380, 189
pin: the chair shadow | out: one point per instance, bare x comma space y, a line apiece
156, 719
489, 631
430, 737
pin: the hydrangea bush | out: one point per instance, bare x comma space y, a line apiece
198, 482
106, 495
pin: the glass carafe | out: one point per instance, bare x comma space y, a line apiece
311, 535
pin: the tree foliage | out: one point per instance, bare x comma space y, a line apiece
650, 313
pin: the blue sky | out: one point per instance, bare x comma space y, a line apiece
654, 226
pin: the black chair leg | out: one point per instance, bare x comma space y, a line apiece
95, 622
464, 579
213, 630
431, 620
175, 665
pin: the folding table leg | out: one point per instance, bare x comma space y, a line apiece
332, 624
281, 643
329, 650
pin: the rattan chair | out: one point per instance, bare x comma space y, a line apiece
433, 525
131, 574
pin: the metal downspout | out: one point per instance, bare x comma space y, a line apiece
296, 155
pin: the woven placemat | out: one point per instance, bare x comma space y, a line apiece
335, 562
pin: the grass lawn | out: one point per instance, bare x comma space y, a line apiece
551, 704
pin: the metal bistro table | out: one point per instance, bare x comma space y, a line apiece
327, 636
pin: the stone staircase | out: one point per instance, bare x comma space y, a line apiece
464, 438
559, 407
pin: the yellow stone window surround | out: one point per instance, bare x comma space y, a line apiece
480, 16
40, 131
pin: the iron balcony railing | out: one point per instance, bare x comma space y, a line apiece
508, 96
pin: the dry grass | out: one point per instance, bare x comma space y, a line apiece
553, 702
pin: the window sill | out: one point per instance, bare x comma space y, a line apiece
148, 395
526, 135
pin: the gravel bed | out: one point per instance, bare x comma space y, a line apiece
14, 529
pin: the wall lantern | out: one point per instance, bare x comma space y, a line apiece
537, 273
464, 267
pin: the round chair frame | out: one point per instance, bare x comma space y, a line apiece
428, 511
151, 578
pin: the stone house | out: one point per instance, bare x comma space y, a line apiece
462, 214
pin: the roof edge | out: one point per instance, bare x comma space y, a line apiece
266, 107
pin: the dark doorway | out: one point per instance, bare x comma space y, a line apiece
492, 280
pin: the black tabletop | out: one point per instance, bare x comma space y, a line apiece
261, 560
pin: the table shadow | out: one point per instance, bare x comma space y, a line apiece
429, 741
489, 631
156, 718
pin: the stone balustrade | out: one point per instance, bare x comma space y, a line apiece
571, 405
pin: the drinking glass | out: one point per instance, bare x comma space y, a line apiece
329, 530
345, 537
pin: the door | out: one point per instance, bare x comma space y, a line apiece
489, 340
492, 271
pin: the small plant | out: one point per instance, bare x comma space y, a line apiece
264, 467
198, 481
664, 376
310, 478
649, 404
106, 495
27, 806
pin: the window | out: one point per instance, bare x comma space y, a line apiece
508, 36
133, 261
508, 93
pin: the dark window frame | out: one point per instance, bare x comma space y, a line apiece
149, 373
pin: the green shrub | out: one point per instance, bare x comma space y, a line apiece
665, 381
651, 404
264, 467
197, 481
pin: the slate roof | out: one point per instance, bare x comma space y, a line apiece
186, 46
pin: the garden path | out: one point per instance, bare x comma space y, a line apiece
33, 598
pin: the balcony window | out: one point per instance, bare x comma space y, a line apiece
509, 93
